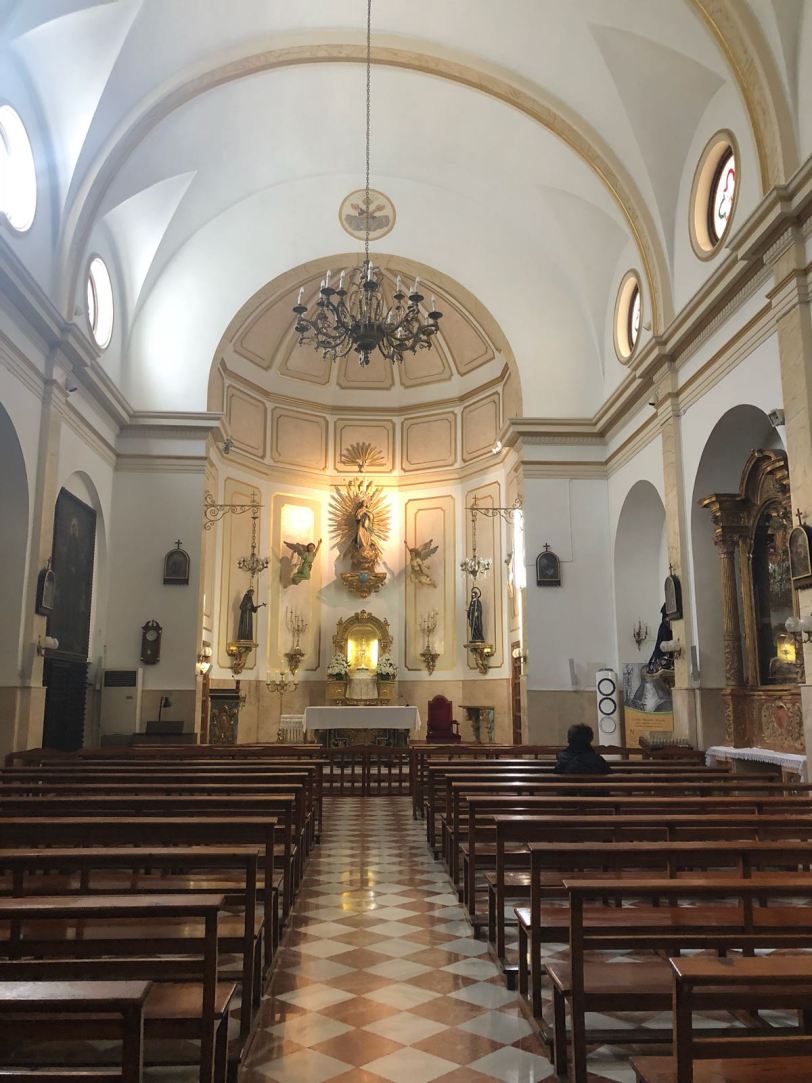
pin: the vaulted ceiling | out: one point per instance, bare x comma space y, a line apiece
534, 151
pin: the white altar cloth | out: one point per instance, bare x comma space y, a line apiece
791, 760
362, 718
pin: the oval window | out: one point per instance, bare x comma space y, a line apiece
628, 316
100, 302
713, 195
18, 174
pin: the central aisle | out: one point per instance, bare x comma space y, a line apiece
380, 977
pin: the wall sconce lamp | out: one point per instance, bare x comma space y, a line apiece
640, 634
519, 654
47, 643
204, 659
672, 647
800, 626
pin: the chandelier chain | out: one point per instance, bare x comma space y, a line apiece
368, 130
355, 314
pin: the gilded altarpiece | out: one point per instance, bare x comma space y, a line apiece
763, 663
235, 543
294, 519
489, 543
432, 518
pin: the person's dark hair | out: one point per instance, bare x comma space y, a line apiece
579, 736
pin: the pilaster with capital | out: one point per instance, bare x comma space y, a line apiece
790, 300
669, 418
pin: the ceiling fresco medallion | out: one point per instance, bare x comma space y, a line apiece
360, 211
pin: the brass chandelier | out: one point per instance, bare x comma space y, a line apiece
356, 317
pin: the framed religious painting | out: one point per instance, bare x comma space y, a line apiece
548, 569
673, 597
176, 567
800, 561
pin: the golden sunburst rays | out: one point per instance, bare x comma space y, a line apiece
360, 517
362, 455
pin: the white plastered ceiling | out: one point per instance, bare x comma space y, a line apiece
205, 147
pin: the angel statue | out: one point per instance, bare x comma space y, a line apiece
418, 555
306, 556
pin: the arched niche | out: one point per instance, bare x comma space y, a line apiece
731, 440
14, 546
640, 565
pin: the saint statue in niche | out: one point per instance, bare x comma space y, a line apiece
660, 659
245, 629
476, 633
418, 556
307, 555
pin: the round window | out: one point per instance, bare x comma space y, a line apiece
713, 195
628, 316
100, 302
18, 174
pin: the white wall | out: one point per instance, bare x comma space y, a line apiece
572, 621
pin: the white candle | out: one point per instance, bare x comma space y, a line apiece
416, 283
433, 304
327, 278
341, 281
301, 295
397, 285
369, 271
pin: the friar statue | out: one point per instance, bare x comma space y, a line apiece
476, 633
661, 659
245, 630
306, 554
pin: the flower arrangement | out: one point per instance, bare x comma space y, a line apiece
337, 668
386, 669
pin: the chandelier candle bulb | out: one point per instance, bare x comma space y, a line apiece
327, 279
341, 281
397, 285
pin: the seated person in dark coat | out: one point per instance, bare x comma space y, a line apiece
579, 757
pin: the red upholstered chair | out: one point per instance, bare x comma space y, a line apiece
440, 726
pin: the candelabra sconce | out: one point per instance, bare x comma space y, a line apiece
203, 664
283, 684
238, 651
640, 633
520, 655
429, 657
428, 626
800, 626
481, 652
297, 626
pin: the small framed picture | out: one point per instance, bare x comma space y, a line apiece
673, 597
800, 562
548, 569
176, 567
46, 587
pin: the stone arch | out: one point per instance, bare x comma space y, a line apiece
734, 436
640, 568
472, 72
14, 534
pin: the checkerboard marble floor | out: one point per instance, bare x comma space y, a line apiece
380, 977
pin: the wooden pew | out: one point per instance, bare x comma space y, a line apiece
90, 871
76, 831
197, 1009
709, 921
283, 806
746, 984
26, 1007
515, 832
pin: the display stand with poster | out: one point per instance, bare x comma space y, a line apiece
648, 707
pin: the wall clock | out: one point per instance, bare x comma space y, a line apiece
151, 642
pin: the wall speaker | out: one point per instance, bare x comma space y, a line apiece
606, 688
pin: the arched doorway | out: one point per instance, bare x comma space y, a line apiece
736, 434
66, 666
13, 546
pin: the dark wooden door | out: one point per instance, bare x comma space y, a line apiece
66, 683
65, 671
516, 695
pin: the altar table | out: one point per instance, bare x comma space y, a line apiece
362, 718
